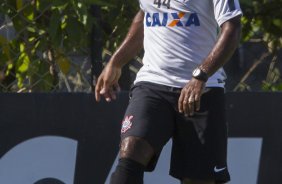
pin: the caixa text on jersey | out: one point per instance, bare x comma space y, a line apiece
180, 19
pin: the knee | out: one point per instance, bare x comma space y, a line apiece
136, 149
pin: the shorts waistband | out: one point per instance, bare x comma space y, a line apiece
158, 86
169, 88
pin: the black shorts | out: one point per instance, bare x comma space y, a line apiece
199, 142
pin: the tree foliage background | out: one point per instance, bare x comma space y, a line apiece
262, 25
49, 34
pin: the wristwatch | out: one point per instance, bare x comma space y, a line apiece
200, 74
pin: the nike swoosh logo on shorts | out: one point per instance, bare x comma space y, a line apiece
219, 169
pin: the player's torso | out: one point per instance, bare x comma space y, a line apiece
179, 25
178, 35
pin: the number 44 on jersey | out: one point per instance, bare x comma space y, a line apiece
162, 2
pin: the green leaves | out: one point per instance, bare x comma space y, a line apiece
263, 19
46, 31
116, 21
262, 23
23, 60
64, 64
54, 29
100, 2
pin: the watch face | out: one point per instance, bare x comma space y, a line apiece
196, 72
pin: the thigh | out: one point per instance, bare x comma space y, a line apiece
149, 117
200, 142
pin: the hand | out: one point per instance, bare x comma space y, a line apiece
107, 83
190, 97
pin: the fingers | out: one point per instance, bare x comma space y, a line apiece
116, 87
103, 89
189, 105
197, 102
107, 84
111, 93
98, 88
190, 100
114, 90
107, 91
186, 103
181, 102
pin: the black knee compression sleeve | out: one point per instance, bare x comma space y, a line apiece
128, 172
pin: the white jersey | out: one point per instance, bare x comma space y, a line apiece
179, 35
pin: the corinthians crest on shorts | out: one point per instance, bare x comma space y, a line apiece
126, 124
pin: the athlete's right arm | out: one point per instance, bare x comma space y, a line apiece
107, 83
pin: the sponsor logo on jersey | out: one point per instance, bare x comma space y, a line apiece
126, 124
180, 19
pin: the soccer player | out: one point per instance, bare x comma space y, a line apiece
179, 91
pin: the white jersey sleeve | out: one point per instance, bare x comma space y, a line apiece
141, 6
225, 10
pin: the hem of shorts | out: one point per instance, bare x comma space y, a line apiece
216, 179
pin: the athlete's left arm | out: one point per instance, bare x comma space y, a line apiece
222, 51
224, 47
